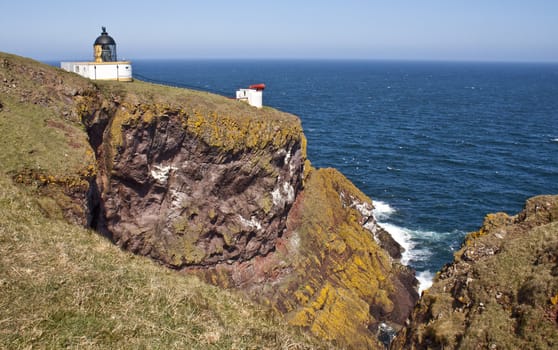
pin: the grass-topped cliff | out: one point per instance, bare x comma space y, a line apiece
215, 191
199, 183
63, 285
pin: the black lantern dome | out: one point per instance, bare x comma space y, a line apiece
104, 38
105, 47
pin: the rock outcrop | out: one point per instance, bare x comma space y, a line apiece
501, 292
211, 192
329, 272
195, 187
216, 188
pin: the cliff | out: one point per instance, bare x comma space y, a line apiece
501, 291
331, 271
190, 183
210, 187
62, 285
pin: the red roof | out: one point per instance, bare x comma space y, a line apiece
257, 86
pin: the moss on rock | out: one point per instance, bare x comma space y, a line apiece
500, 290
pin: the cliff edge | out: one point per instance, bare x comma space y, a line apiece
211, 187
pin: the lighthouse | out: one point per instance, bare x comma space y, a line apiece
105, 64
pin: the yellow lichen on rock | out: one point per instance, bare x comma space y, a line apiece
332, 269
121, 117
491, 221
501, 290
327, 314
348, 271
233, 133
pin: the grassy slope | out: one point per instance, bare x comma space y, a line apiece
64, 286
34, 138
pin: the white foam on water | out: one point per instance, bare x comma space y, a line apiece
554, 140
404, 236
382, 210
425, 280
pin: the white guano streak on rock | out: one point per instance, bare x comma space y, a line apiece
161, 173
276, 195
177, 198
252, 223
283, 193
367, 211
294, 241
289, 191
288, 157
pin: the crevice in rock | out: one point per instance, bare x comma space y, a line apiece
95, 211
96, 123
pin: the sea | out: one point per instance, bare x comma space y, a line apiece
435, 145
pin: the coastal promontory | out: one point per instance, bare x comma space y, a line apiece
136, 215
205, 186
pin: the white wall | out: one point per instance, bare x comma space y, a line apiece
253, 97
121, 71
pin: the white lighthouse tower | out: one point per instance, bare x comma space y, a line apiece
106, 65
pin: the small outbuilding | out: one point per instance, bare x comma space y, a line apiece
253, 95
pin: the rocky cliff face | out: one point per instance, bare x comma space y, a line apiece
192, 187
216, 188
211, 192
331, 272
501, 292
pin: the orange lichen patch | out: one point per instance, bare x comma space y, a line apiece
554, 300
218, 121
127, 114
59, 196
228, 132
38, 178
348, 270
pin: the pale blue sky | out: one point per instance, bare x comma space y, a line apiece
502, 30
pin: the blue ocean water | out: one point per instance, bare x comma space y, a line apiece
436, 145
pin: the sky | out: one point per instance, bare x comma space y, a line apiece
462, 30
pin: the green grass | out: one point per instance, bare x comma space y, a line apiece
40, 127
138, 92
65, 286
34, 137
